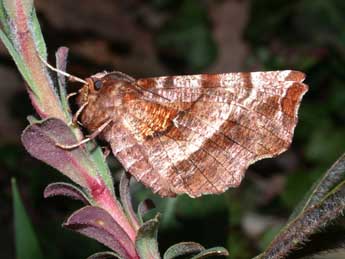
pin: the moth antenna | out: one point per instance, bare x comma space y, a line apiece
70, 77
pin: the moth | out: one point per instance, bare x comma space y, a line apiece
192, 134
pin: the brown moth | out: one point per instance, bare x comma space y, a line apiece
193, 134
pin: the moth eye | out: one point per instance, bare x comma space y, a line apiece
98, 84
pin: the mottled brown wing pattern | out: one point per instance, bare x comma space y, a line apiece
214, 127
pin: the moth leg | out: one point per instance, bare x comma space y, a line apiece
77, 114
88, 138
70, 95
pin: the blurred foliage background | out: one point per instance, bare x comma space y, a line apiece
161, 37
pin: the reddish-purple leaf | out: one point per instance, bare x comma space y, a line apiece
97, 223
126, 201
40, 141
65, 189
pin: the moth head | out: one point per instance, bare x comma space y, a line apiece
114, 78
96, 82
90, 88
83, 93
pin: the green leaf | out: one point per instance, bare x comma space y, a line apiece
146, 240
38, 37
183, 249
216, 251
19, 61
27, 246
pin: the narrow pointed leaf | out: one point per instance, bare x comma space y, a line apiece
183, 249
146, 241
98, 224
38, 36
329, 180
328, 240
61, 63
105, 255
18, 61
312, 220
65, 189
40, 141
27, 41
10, 40
27, 246
216, 251
30, 15
126, 200
144, 207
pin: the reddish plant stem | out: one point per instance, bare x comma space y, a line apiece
106, 200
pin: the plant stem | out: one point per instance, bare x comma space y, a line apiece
106, 200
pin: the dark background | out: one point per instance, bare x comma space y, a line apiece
161, 37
